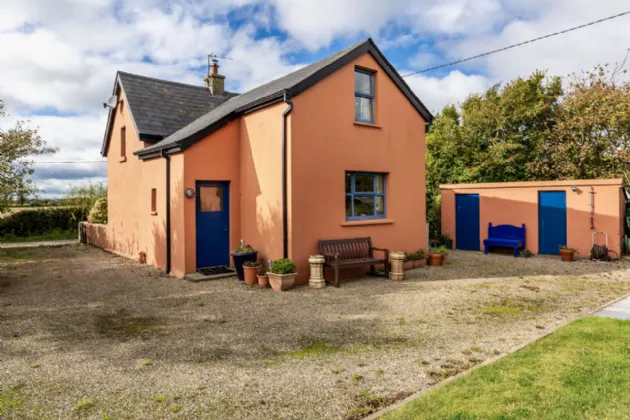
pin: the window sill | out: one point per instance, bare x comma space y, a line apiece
367, 222
153, 213
365, 124
122, 159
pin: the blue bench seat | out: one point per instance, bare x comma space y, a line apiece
506, 236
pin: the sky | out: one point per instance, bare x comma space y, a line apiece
58, 58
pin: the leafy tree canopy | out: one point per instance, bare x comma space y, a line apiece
17, 145
534, 128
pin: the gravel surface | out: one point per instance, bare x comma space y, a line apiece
86, 334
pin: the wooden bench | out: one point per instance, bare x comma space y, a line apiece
346, 253
505, 235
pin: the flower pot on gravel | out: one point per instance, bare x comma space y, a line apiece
282, 274
250, 272
567, 254
241, 255
263, 281
435, 260
281, 282
408, 265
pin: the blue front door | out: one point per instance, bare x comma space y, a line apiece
552, 221
213, 223
467, 222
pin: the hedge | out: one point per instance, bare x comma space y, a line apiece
42, 221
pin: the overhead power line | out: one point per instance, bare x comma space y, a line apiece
519, 44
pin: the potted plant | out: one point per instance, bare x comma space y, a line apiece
414, 260
282, 274
444, 252
447, 241
263, 280
567, 253
408, 261
250, 271
240, 255
435, 257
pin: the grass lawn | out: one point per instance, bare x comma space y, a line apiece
580, 371
50, 236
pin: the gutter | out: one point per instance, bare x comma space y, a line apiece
168, 211
285, 222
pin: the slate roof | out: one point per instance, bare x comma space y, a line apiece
161, 107
291, 85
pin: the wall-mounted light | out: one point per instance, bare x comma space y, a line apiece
574, 188
190, 193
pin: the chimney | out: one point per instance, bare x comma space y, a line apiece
214, 81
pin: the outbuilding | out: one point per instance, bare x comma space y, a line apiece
555, 213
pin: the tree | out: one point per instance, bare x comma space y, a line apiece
86, 196
591, 138
17, 144
493, 137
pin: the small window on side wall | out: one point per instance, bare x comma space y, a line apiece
363, 96
123, 144
365, 196
153, 201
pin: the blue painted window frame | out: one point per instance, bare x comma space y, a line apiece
365, 95
353, 193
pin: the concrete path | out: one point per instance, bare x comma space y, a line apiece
619, 310
59, 242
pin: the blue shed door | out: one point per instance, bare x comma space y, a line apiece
467, 222
552, 221
213, 224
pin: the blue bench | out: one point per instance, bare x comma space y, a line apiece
505, 235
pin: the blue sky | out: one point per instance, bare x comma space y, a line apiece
58, 58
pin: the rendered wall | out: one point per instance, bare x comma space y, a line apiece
516, 203
246, 153
326, 142
131, 227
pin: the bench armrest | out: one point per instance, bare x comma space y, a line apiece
380, 249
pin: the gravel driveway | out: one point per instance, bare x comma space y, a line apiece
87, 334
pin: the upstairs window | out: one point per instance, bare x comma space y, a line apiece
123, 143
363, 96
365, 196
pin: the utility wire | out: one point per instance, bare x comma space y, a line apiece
520, 44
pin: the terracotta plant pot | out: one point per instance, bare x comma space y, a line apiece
435, 260
250, 274
567, 254
408, 265
281, 282
263, 281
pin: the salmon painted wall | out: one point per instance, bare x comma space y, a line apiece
215, 158
261, 180
246, 153
131, 226
517, 203
326, 142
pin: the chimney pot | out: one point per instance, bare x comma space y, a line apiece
214, 81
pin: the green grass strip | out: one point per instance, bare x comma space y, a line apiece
580, 371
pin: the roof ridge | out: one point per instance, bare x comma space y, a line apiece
166, 81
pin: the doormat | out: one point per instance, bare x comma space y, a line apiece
212, 271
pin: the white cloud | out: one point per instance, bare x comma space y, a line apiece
436, 93
61, 56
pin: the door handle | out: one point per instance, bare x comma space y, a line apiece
226, 230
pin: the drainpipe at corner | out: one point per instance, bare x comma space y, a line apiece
285, 222
168, 211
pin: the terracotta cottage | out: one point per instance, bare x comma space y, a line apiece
333, 150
